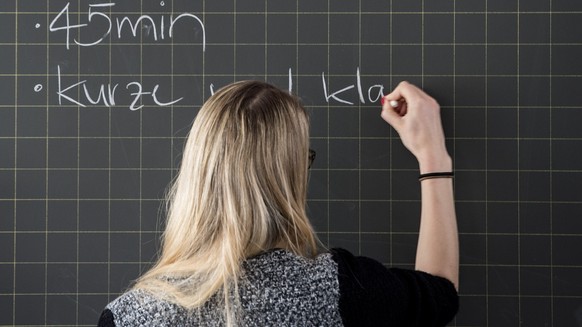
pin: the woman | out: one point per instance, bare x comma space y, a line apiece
238, 248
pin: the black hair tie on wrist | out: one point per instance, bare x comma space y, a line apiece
441, 174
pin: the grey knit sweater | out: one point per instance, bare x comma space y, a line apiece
282, 289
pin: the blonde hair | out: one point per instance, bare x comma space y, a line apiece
241, 190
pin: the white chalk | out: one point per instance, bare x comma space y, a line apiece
394, 103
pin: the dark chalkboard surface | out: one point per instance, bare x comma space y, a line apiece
96, 98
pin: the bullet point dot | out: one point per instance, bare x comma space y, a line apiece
162, 3
37, 25
38, 88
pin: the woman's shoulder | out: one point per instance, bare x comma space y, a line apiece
277, 267
278, 256
283, 265
135, 299
137, 307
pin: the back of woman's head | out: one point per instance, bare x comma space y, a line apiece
240, 190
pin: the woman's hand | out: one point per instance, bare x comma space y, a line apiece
417, 121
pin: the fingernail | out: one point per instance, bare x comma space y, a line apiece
382, 100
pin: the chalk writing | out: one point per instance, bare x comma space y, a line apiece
378, 89
106, 25
158, 29
106, 95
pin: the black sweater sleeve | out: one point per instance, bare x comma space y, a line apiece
106, 319
372, 295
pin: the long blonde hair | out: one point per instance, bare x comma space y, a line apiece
241, 190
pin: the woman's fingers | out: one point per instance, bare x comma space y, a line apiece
416, 118
401, 96
391, 115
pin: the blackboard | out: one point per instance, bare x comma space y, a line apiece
96, 98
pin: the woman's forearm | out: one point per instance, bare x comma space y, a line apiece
438, 245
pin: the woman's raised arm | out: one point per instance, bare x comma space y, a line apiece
416, 118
